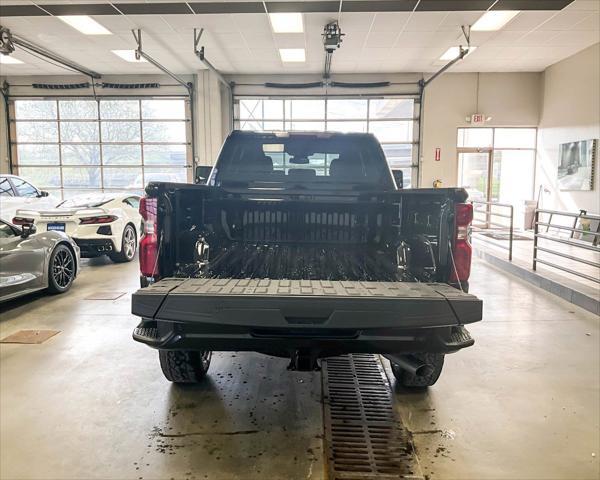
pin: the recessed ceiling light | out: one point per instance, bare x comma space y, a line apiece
494, 20
128, 55
85, 24
453, 52
6, 59
292, 54
286, 22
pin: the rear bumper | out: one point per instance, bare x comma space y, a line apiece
92, 247
282, 342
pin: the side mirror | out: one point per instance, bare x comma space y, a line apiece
201, 174
399, 178
27, 230
43, 193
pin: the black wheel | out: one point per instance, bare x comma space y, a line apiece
184, 366
61, 269
408, 380
128, 246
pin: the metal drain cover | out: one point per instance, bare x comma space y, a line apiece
364, 438
30, 336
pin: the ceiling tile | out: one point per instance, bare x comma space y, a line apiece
378, 39
529, 20
425, 21
564, 20
390, 21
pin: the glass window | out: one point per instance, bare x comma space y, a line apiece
122, 154
6, 231
165, 155
514, 137
78, 109
120, 132
347, 127
35, 109
43, 154
23, 188
81, 177
391, 108
475, 137
305, 126
119, 109
123, 177
80, 154
392, 131
163, 109
78, 132
133, 202
165, 174
165, 132
346, 109
42, 176
72, 153
305, 109
398, 155
37, 132
5, 188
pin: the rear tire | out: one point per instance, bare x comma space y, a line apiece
184, 366
128, 246
408, 380
61, 269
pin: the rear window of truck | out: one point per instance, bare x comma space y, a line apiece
303, 159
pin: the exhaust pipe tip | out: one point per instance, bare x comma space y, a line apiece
412, 365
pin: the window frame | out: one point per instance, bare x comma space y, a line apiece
62, 189
414, 164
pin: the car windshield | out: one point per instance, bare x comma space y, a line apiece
303, 160
86, 201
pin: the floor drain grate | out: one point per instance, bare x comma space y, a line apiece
364, 438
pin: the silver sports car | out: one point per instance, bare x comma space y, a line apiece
31, 261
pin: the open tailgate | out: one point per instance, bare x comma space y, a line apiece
315, 303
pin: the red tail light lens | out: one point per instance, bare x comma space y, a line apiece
462, 252
97, 219
149, 240
22, 221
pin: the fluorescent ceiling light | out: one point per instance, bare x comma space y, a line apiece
6, 59
286, 22
128, 55
494, 20
453, 52
292, 54
85, 24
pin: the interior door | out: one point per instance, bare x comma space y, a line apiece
474, 174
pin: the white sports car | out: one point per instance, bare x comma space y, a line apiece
101, 223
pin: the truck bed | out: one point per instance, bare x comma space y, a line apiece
265, 303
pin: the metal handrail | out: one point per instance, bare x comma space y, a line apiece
572, 230
489, 213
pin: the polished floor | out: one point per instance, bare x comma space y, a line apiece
523, 403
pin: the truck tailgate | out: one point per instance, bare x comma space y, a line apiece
315, 303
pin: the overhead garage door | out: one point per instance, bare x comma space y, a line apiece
393, 120
70, 146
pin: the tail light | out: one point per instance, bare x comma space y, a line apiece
463, 216
97, 219
22, 221
149, 240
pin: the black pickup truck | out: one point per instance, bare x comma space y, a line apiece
301, 246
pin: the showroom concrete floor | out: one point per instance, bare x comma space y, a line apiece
91, 403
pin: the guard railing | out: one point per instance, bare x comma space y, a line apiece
569, 224
494, 216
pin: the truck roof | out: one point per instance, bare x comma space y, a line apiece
282, 134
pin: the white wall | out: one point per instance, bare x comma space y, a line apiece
570, 112
511, 99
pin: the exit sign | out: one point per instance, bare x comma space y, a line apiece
478, 119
